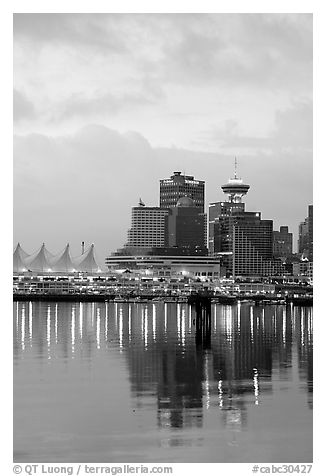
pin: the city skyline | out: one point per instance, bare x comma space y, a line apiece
107, 105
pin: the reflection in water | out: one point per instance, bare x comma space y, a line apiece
248, 352
23, 328
48, 331
56, 324
30, 321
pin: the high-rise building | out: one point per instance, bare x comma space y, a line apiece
178, 186
310, 232
252, 240
303, 237
186, 225
305, 241
148, 227
246, 241
243, 238
236, 190
282, 243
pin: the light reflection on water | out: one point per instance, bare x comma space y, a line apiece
112, 382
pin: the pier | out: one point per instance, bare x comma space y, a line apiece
304, 300
32, 287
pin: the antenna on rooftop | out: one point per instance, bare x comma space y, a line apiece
235, 167
82, 247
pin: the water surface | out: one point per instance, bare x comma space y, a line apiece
119, 382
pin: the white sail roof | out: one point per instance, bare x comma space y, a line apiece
40, 260
87, 262
63, 262
19, 259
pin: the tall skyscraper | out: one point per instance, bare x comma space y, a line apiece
310, 232
186, 225
245, 240
303, 237
178, 186
305, 241
252, 240
247, 243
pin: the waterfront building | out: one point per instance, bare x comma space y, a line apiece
177, 186
250, 239
43, 261
179, 230
310, 232
244, 238
40, 261
303, 268
63, 262
165, 265
167, 242
86, 262
19, 256
148, 227
186, 225
282, 242
303, 238
305, 241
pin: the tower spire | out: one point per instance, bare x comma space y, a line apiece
235, 188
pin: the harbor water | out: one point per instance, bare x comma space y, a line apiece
123, 382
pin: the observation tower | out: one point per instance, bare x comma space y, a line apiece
235, 188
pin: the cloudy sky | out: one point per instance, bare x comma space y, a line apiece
107, 104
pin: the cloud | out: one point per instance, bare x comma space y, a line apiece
240, 50
96, 31
22, 107
99, 105
265, 50
293, 130
169, 75
294, 127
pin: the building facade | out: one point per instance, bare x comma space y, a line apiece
252, 240
217, 211
282, 243
148, 227
177, 186
303, 237
191, 266
186, 225
305, 241
310, 232
246, 242
303, 268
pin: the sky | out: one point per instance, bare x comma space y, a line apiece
106, 105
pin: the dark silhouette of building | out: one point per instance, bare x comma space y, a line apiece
305, 242
310, 232
186, 225
303, 237
178, 186
282, 243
